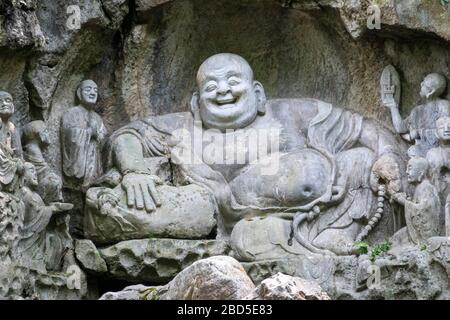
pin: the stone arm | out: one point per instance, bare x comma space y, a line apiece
400, 125
137, 182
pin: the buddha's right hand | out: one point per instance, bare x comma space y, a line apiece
141, 191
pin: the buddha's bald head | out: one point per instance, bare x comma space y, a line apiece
221, 61
227, 97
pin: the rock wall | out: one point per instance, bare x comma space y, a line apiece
144, 53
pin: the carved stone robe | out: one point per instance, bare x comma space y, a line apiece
422, 213
423, 119
10, 151
44, 238
80, 151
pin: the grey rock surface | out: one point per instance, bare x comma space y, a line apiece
215, 278
89, 256
222, 278
409, 273
134, 292
157, 260
284, 287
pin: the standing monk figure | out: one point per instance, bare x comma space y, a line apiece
420, 126
10, 147
82, 136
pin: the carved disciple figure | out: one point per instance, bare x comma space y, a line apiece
439, 160
420, 125
43, 240
82, 136
10, 147
11, 165
34, 140
324, 160
422, 212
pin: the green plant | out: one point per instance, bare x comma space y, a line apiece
362, 247
379, 249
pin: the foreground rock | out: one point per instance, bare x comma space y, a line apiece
284, 287
222, 278
129, 293
216, 278
157, 260
89, 257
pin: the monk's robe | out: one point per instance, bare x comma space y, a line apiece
80, 151
423, 119
422, 213
44, 238
10, 153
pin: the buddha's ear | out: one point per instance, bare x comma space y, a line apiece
260, 97
431, 94
195, 107
79, 94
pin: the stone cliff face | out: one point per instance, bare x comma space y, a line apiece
144, 54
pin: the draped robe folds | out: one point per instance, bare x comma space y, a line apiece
36, 219
332, 130
422, 213
10, 152
44, 238
423, 119
80, 151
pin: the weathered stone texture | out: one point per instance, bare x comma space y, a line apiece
157, 260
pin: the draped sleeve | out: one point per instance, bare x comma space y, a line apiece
334, 129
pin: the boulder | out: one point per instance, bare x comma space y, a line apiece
215, 278
89, 257
284, 287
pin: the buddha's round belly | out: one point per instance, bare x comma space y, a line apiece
292, 179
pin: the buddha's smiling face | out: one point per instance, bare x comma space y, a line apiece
228, 96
